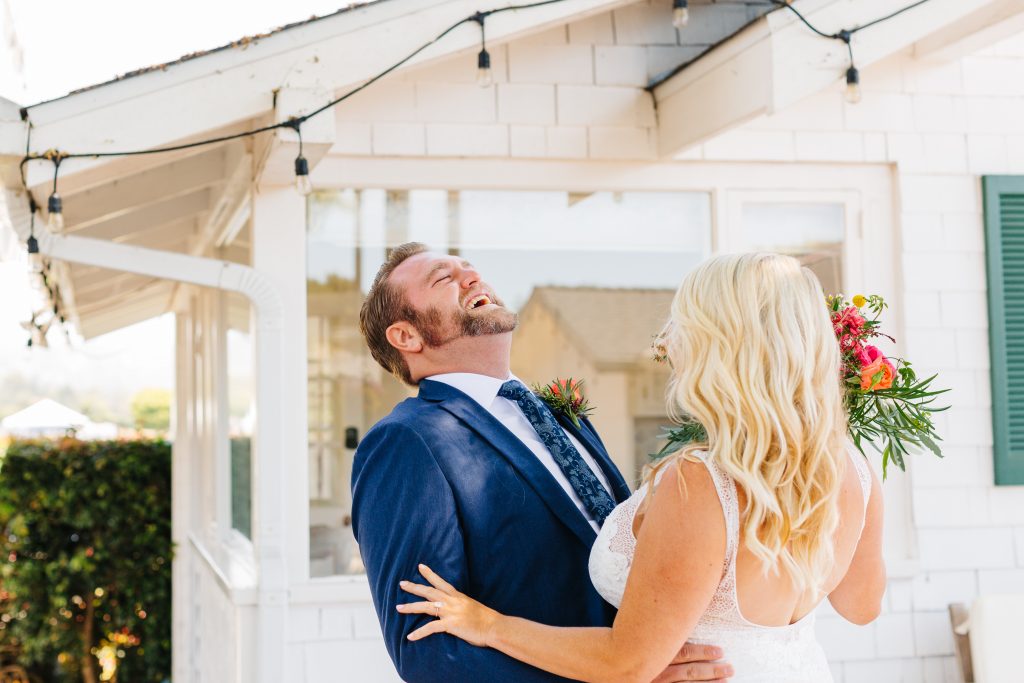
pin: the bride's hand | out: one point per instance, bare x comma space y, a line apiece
457, 614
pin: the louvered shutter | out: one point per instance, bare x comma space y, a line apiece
1004, 240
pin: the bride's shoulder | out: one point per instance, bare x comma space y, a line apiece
687, 480
685, 508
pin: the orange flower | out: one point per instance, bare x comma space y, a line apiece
574, 387
868, 372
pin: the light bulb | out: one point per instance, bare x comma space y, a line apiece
484, 77
680, 14
302, 182
853, 94
35, 259
55, 221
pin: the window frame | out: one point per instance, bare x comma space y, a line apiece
867, 191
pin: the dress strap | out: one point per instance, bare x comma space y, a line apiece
860, 463
727, 496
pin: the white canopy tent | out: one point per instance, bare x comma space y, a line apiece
44, 418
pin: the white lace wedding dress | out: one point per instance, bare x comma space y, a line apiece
759, 654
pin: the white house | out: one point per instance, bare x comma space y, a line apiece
612, 150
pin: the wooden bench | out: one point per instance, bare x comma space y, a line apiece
988, 638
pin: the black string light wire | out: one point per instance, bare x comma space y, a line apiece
55, 219
680, 11
295, 122
853, 93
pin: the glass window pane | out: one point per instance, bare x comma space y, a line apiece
241, 410
591, 274
813, 232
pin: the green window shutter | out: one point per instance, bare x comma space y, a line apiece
1004, 241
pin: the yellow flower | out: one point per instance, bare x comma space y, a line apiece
859, 300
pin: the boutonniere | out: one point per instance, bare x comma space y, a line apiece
565, 396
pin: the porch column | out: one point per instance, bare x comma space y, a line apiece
280, 479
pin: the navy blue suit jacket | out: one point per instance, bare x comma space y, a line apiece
442, 482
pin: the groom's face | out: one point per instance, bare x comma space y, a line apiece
449, 299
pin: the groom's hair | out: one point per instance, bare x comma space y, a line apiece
385, 305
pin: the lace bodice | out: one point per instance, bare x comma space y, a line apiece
761, 654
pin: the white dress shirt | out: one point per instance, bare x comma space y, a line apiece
484, 390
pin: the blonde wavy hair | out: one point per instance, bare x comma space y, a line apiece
756, 362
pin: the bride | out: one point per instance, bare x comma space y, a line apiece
735, 541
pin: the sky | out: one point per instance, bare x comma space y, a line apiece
69, 44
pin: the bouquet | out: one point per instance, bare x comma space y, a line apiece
886, 402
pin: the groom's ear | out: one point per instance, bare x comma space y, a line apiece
404, 337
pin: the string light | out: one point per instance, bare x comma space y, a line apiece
853, 94
680, 13
302, 183
35, 259
484, 76
680, 18
853, 91
54, 205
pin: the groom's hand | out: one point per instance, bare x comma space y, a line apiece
696, 663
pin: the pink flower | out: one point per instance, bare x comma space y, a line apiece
861, 354
850, 318
873, 355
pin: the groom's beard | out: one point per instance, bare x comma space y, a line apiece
437, 331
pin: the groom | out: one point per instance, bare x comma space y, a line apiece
474, 478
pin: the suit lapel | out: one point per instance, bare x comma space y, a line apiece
620, 489
514, 451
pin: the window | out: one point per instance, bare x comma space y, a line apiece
575, 266
813, 232
241, 411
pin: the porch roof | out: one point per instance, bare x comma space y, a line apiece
197, 201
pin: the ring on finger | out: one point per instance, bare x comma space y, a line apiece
437, 608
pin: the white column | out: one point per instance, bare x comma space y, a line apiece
181, 510
281, 511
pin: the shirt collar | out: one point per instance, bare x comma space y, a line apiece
481, 388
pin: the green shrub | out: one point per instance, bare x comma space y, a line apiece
85, 558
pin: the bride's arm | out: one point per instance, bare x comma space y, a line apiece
675, 573
858, 597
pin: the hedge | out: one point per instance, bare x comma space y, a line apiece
85, 579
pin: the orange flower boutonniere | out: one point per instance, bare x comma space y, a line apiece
565, 396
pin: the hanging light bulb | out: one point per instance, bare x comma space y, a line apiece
35, 259
484, 76
680, 13
853, 93
302, 183
56, 208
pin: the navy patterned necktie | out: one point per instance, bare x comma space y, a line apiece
584, 482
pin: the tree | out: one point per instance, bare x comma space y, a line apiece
85, 558
151, 409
